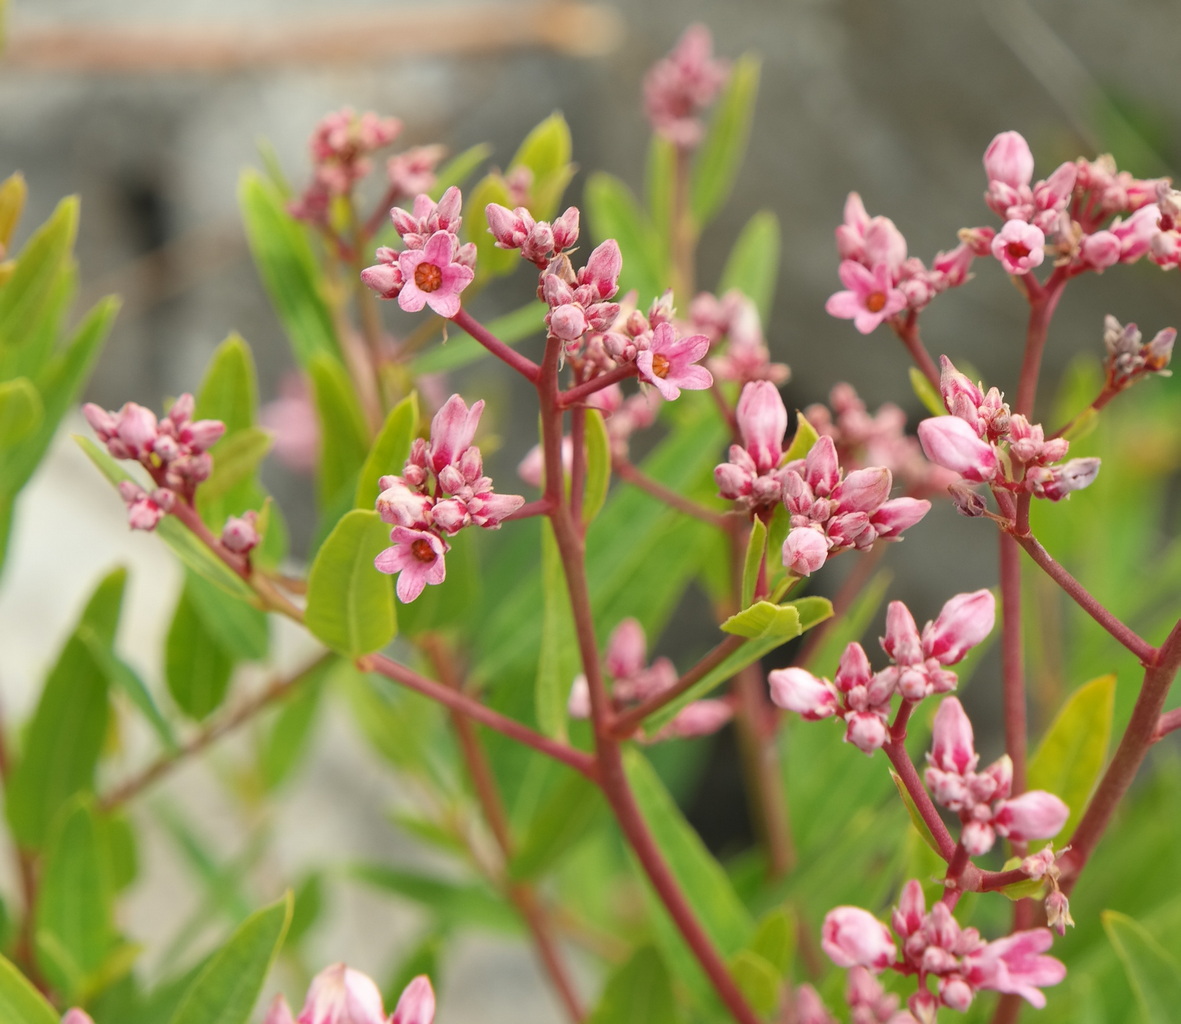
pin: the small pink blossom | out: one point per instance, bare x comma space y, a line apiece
1008, 160
416, 1005
416, 556
853, 937
681, 85
77, 1016
951, 442
798, 690
870, 297
240, 534
432, 278
1019, 246
805, 550
452, 430
277, 1013
1015, 965
340, 995
669, 362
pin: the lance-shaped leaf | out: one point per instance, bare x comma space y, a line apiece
196, 667
758, 980
350, 604
227, 989
229, 391
916, 818
639, 989
801, 443
344, 439
20, 1002
614, 213
240, 629
546, 152
598, 465
716, 167
33, 280
1154, 973
753, 264
389, 450
454, 903
567, 815
756, 548
20, 412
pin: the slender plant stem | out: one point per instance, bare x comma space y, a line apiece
908, 334
581, 392
524, 366
1167, 723
1012, 659
895, 749
628, 471
1043, 301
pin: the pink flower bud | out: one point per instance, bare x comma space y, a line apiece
398, 505
701, 718
963, 622
278, 1013
953, 747
239, 534
1012, 965
1008, 160
866, 731
452, 430
863, 490
136, 427
1033, 815
450, 515
822, 471
1057, 912
340, 995
911, 910
77, 1016
898, 514
1059, 482
384, 278
853, 937
901, 642
602, 269
203, 435
805, 550
762, 421
1101, 249
951, 443
507, 226
797, 690
488, 510
416, 1004
567, 322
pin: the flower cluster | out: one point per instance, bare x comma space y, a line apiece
935, 948
981, 799
1130, 358
341, 995
683, 84
734, 320
860, 697
174, 451
442, 489
634, 681
986, 443
435, 266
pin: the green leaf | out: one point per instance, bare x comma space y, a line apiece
764, 620
229, 391
639, 990
196, 667
598, 465
659, 176
753, 265
927, 393
557, 662
756, 549
236, 459
546, 152
916, 819
1070, 756
344, 439
724, 147
801, 443
75, 902
458, 168
122, 676
238, 628
32, 283
1154, 973
227, 989
758, 980
309, 903
389, 450
350, 604
614, 213
454, 904
566, 817
775, 939
283, 255
20, 1002
20, 412
64, 738
13, 190
490, 261
287, 739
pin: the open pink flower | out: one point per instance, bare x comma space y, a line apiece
1019, 246
871, 296
669, 362
417, 557
431, 277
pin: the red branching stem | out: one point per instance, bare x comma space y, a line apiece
530, 509
579, 760
626, 470
1160, 671
1012, 660
1043, 300
1167, 723
578, 394
527, 368
1083, 598
896, 751
908, 333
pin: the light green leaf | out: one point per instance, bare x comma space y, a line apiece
390, 449
775, 939
801, 443
566, 817
454, 904
350, 604
757, 979
289, 734
753, 265
32, 283
122, 676
227, 989
490, 261
344, 438
458, 168
756, 549
916, 819
927, 393
239, 629
614, 213
229, 391
283, 255
639, 990
1154, 973
20, 1002
764, 620
546, 152
598, 465
1070, 756
659, 176
20, 413
196, 667
236, 459
13, 192
724, 148
557, 662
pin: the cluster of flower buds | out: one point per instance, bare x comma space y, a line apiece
985, 443
733, 320
341, 995
861, 698
1043, 865
981, 799
435, 266
935, 948
679, 87
442, 489
1130, 358
174, 451
881, 281
634, 681
865, 996
540, 241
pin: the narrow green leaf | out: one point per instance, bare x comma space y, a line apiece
801, 443
309, 905
775, 939
614, 213
13, 194
38, 265
229, 391
724, 148
20, 1002
566, 817
927, 393
344, 439
288, 737
456, 170
20, 414
764, 620
557, 662
239, 629
546, 152
758, 980
389, 450
598, 465
639, 990
659, 176
1070, 756
753, 265
350, 604
283, 255
122, 676
454, 904
756, 549
196, 667
490, 261
236, 458
1154, 973
916, 819
227, 989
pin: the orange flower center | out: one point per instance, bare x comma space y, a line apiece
660, 365
875, 302
422, 550
428, 277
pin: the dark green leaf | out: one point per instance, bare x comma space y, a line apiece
123, 677
1154, 973
565, 818
238, 628
344, 439
454, 904
288, 737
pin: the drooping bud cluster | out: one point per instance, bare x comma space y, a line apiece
733, 321
435, 266
985, 443
174, 451
1043, 865
634, 680
341, 995
442, 489
981, 799
881, 282
1130, 358
934, 947
861, 698
679, 87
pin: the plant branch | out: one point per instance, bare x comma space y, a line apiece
1043, 300
524, 366
627, 470
579, 393
1012, 660
908, 334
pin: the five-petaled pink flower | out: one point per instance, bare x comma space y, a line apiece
669, 362
1019, 246
430, 277
417, 557
871, 296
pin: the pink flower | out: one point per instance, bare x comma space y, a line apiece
669, 362
417, 556
340, 995
950, 442
871, 296
452, 430
1014, 965
277, 1013
145, 510
805, 550
797, 690
77, 1016
432, 278
853, 937
681, 85
963, 622
1019, 246
762, 422
416, 1004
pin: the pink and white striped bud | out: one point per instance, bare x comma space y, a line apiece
602, 269
866, 730
136, 428
510, 228
386, 279
416, 1005
627, 650
762, 422
963, 622
951, 443
911, 910
795, 689
822, 470
853, 937
340, 995
953, 747
240, 534
1033, 815
1019, 246
805, 550
1009, 160
1057, 912
898, 514
566, 229
863, 490
1101, 250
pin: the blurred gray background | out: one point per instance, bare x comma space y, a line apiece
149, 112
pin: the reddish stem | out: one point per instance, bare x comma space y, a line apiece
1012, 662
526, 367
581, 392
1043, 300
628, 471
908, 333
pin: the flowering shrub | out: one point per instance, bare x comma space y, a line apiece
508, 679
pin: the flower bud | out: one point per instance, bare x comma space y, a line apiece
239, 534
950, 442
963, 622
416, 1004
805, 550
1009, 160
798, 690
853, 937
